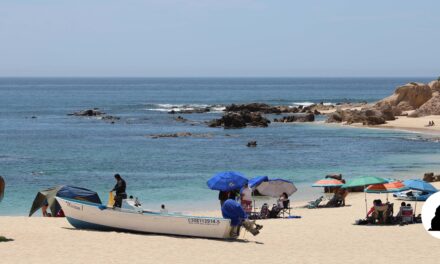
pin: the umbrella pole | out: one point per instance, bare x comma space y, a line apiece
366, 210
415, 209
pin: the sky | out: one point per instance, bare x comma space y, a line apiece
213, 38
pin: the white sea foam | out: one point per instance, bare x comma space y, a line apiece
182, 107
308, 103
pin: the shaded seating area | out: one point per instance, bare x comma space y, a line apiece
382, 214
315, 204
46, 198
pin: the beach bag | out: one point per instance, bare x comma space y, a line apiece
111, 200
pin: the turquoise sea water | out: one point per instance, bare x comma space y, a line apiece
55, 148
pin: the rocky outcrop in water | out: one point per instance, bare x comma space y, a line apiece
88, 112
191, 111
240, 120
180, 134
95, 112
252, 144
277, 109
296, 118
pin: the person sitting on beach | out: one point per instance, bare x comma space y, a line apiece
246, 198
44, 209
120, 190
399, 214
232, 210
377, 202
283, 200
432, 123
342, 193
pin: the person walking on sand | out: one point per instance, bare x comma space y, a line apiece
119, 188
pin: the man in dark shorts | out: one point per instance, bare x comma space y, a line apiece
120, 190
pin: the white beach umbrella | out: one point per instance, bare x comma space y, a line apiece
276, 187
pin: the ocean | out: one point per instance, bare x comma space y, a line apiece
54, 148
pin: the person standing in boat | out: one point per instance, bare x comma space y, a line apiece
120, 190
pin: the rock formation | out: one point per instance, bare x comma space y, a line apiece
296, 118
180, 134
252, 144
96, 113
408, 97
240, 120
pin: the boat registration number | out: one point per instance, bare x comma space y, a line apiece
201, 221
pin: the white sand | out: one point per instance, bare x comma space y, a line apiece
320, 236
418, 124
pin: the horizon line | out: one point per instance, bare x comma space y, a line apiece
213, 77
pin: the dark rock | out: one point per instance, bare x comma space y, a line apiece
262, 108
89, 112
180, 134
180, 119
98, 114
252, 143
335, 117
310, 117
240, 120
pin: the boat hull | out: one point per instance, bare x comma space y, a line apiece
85, 215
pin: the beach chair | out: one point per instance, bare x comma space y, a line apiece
285, 210
407, 214
315, 204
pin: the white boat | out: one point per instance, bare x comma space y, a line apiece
86, 215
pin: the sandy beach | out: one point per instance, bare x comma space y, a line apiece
320, 236
418, 124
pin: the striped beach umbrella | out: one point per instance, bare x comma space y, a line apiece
328, 183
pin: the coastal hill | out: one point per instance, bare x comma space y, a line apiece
412, 100
424, 99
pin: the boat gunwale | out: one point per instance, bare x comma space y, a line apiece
143, 213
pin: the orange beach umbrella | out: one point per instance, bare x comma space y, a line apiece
396, 186
328, 183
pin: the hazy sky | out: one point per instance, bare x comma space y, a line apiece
219, 38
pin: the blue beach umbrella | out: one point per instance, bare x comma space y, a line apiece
420, 185
227, 181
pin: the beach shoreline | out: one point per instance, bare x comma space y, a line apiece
402, 123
